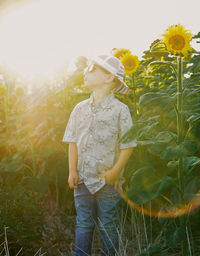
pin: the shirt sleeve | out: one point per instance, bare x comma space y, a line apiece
125, 123
70, 131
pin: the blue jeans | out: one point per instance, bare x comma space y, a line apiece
100, 209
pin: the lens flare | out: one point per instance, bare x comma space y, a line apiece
177, 211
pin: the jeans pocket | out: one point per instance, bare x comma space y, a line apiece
81, 190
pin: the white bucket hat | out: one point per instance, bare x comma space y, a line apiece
114, 66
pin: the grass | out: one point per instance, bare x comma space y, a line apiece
4, 248
136, 234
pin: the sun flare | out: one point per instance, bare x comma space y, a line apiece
33, 41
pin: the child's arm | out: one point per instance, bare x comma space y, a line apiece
113, 174
125, 122
71, 138
124, 155
73, 159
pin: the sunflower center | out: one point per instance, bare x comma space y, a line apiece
130, 64
177, 42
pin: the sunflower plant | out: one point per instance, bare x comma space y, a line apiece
118, 53
130, 63
176, 40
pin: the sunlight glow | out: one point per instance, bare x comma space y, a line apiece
38, 37
32, 39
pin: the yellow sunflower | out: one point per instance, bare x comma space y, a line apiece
130, 63
118, 53
177, 39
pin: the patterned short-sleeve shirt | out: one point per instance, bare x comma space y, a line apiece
96, 130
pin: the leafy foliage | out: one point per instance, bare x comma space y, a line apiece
34, 160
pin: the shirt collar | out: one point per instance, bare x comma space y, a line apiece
104, 102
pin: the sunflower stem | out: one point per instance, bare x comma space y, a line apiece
180, 120
135, 115
134, 95
183, 221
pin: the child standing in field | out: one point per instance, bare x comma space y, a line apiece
96, 158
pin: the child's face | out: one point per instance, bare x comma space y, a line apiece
97, 77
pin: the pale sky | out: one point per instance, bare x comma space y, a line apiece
39, 36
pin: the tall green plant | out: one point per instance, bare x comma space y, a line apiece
171, 156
